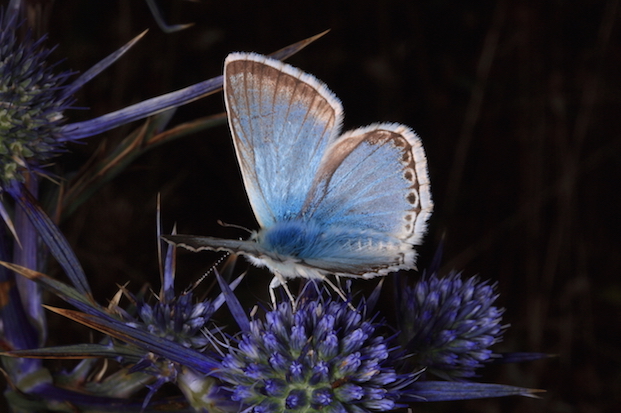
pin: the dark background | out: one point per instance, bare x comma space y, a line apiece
517, 103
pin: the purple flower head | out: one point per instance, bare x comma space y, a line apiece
181, 319
32, 101
448, 324
320, 355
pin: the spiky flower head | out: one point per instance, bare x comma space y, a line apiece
32, 100
319, 356
448, 324
171, 319
180, 319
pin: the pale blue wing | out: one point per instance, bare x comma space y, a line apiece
282, 120
374, 180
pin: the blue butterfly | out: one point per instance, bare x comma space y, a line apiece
351, 204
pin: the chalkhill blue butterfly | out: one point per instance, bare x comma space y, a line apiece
351, 204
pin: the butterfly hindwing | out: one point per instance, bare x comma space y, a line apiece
374, 178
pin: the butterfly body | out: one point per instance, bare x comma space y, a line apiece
308, 249
351, 204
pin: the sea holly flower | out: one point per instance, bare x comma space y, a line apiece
159, 339
33, 99
181, 319
178, 319
33, 102
448, 324
316, 354
319, 354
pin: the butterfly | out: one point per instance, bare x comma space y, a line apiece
351, 204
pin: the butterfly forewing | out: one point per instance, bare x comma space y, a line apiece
282, 120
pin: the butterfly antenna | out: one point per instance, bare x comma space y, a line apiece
209, 271
226, 225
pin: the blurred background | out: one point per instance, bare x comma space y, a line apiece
518, 104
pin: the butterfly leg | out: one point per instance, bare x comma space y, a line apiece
276, 282
338, 291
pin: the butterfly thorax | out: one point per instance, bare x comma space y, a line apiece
291, 239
